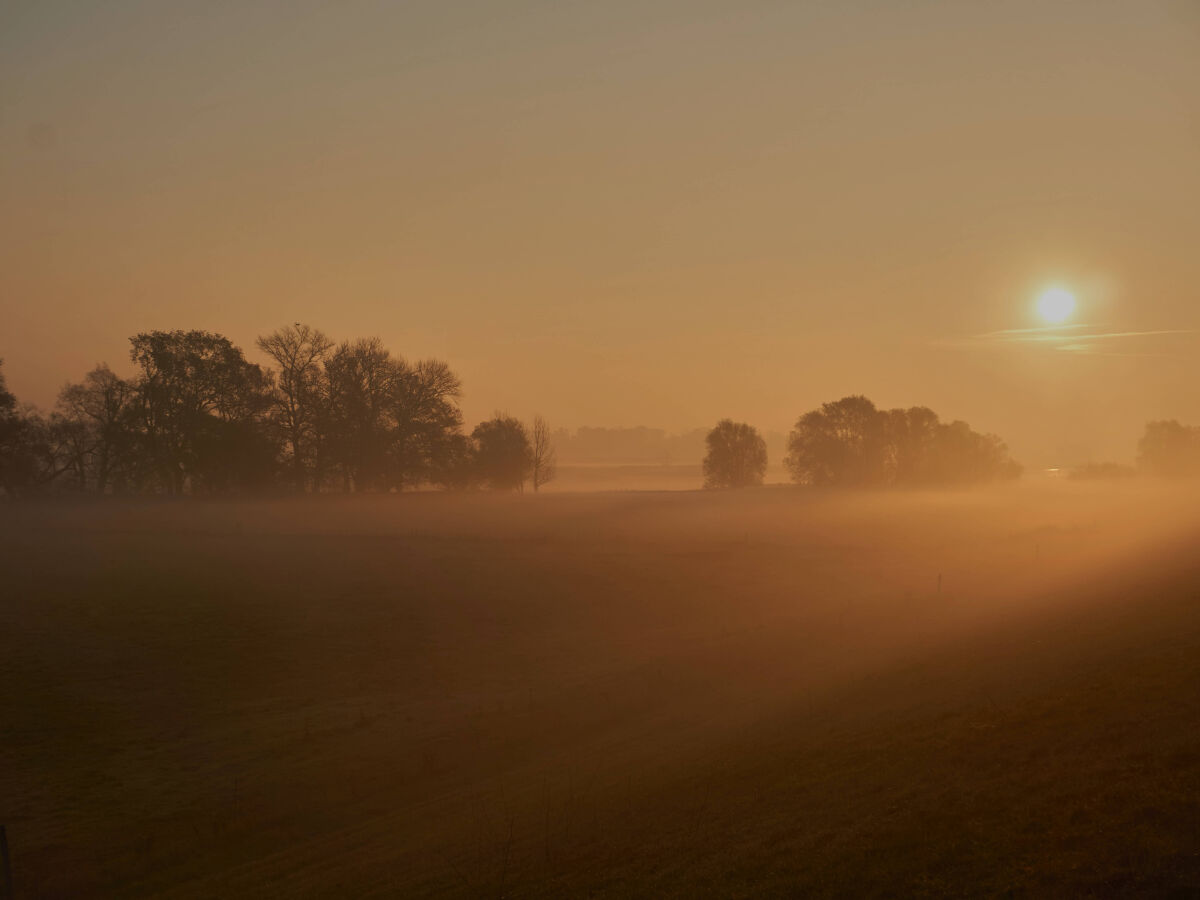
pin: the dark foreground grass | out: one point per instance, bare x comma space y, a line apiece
652, 695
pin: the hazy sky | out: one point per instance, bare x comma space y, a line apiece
623, 213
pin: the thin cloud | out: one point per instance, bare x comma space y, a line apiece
1074, 338
1044, 329
1128, 334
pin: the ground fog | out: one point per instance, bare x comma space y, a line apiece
768, 692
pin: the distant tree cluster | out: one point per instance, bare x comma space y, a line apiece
1104, 471
650, 446
852, 443
1169, 448
197, 417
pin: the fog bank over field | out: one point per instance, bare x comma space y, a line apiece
830, 692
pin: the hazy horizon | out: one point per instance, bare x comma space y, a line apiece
697, 461
653, 214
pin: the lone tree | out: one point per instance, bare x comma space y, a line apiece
503, 453
545, 466
737, 456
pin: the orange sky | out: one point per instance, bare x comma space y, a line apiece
626, 212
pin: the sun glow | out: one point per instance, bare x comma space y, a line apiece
1055, 305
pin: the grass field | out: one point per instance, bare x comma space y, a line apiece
772, 693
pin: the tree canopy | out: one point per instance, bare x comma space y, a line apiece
197, 417
1170, 448
736, 456
850, 442
503, 452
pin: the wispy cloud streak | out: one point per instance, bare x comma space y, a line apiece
1075, 338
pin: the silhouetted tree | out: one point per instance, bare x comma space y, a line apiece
198, 417
8, 400
12, 427
12, 461
30, 455
388, 424
427, 422
910, 442
74, 446
503, 453
97, 420
841, 443
964, 456
362, 378
455, 468
850, 442
298, 402
198, 402
545, 466
1169, 448
737, 456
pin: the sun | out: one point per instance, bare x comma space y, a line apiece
1055, 305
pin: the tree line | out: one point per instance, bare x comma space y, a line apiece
850, 442
629, 446
198, 417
